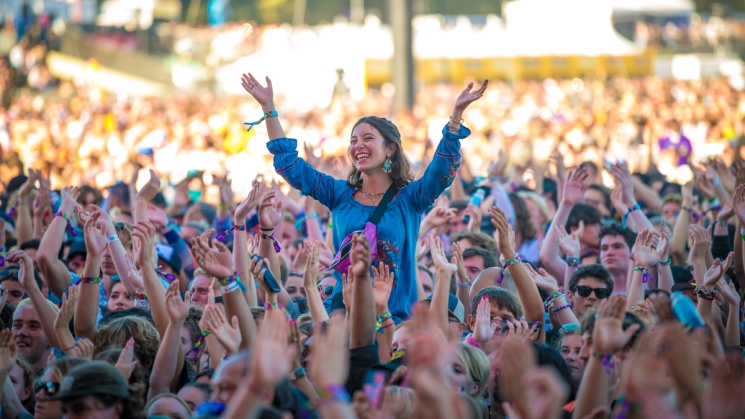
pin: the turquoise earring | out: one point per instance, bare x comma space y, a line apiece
387, 165
356, 177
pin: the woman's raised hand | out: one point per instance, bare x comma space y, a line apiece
469, 96
263, 95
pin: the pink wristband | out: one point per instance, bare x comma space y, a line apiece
471, 341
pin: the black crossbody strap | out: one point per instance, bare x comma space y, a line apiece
383, 205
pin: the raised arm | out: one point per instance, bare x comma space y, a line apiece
446, 161
240, 243
680, 231
621, 173
53, 270
573, 193
270, 214
28, 281
665, 279
144, 196
362, 318
62, 322
438, 309
732, 330
570, 245
164, 366
24, 229
382, 286
86, 310
526, 288
739, 202
318, 313
645, 260
118, 252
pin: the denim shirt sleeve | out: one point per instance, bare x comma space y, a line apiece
441, 171
301, 175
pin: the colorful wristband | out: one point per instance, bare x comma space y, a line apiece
636, 207
515, 260
231, 283
269, 114
225, 233
277, 247
573, 262
606, 360
69, 223
471, 341
646, 277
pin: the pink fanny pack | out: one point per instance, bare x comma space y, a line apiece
342, 261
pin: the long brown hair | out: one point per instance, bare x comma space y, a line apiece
400, 167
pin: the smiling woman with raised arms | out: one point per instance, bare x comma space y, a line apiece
379, 165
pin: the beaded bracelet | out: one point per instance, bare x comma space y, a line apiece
705, 294
573, 262
225, 233
636, 207
606, 360
646, 277
2, 257
557, 309
69, 223
515, 260
666, 263
231, 284
269, 114
277, 247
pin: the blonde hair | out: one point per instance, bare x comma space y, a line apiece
27, 302
399, 402
170, 396
124, 232
477, 366
538, 200
117, 332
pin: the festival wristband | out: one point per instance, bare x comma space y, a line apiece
112, 238
721, 223
666, 263
68, 221
231, 283
550, 300
646, 277
573, 262
471, 341
277, 247
463, 284
141, 300
636, 207
225, 233
515, 260
2, 256
606, 360
270, 114
91, 280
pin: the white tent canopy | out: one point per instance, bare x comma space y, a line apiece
563, 28
652, 7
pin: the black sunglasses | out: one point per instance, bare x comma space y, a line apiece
601, 293
50, 387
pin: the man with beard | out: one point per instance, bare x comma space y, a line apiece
33, 346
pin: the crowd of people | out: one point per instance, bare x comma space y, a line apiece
593, 269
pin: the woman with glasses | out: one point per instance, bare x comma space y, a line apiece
48, 386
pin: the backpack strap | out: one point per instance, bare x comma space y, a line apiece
383, 205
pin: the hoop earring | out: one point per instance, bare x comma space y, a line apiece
356, 177
387, 165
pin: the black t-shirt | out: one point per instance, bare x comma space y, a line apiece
360, 360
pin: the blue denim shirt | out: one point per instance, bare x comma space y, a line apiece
399, 228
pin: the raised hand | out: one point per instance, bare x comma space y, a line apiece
542, 279
574, 188
228, 334
216, 260
484, 328
329, 344
359, 256
347, 285
623, 177
177, 308
95, 241
127, 362
24, 192
616, 198
271, 356
194, 213
663, 245
26, 272
70, 196
643, 254
310, 277
8, 351
499, 221
462, 274
303, 253
729, 293
151, 188
468, 96
686, 194
263, 95
382, 286
438, 217
83, 349
701, 241
717, 269
608, 335
739, 203
270, 212
69, 302
727, 178
241, 213
440, 259
520, 330
226, 192
144, 232
569, 243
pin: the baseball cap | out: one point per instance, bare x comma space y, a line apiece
168, 255
683, 279
77, 247
455, 307
95, 377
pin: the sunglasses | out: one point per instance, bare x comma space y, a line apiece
5, 273
569, 327
50, 387
327, 290
601, 293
